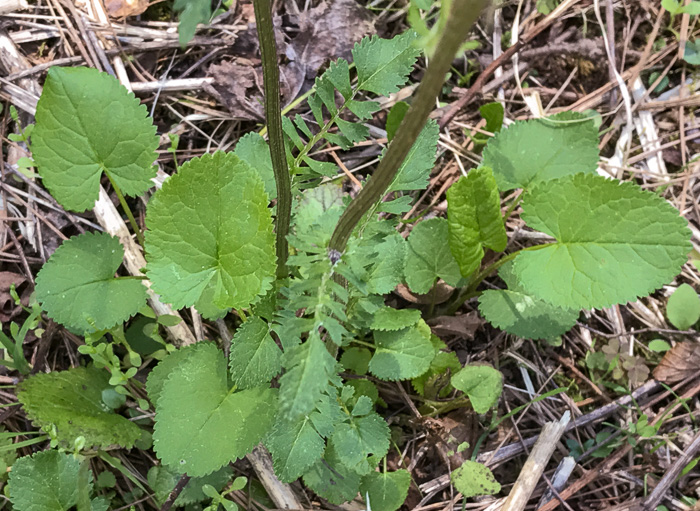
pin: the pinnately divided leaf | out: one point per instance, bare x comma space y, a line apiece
615, 242
45, 481
360, 437
428, 256
414, 172
474, 217
255, 357
88, 124
529, 152
72, 402
383, 64
209, 241
77, 286
295, 446
201, 424
388, 318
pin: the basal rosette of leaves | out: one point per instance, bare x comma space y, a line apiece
209, 243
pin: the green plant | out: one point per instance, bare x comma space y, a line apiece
309, 319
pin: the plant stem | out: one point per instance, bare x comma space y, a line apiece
463, 15
127, 210
273, 116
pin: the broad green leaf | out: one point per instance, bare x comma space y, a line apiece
388, 318
683, 308
615, 242
77, 286
72, 402
45, 481
162, 481
529, 152
253, 150
295, 446
356, 360
481, 383
360, 437
159, 374
474, 218
520, 314
414, 172
692, 52
473, 479
659, 345
255, 357
87, 124
384, 64
309, 369
386, 490
332, 480
201, 424
402, 354
209, 241
428, 256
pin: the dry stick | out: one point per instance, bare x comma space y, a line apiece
273, 116
670, 476
486, 73
463, 15
534, 466
175, 493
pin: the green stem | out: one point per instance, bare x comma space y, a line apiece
273, 116
127, 210
461, 18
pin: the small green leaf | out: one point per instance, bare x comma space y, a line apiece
360, 437
388, 318
45, 481
444, 363
683, 309
72, 401
77, 286
332, 480
309, 369
529, 152
253, 150
87, 123
692, 52
214, 425
428, 256
481, 383
255, 357
615, 242
414, 172
192, 13
295, 446
402, 354
473, 479
493, 114
209, 241
659, 345
162, 481
474, 218
387, 490
394, 118
384, 64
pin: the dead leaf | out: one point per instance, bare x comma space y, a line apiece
328, 32
440, 293
462, 326
8, 309
125, 8
679, 363
238, 86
